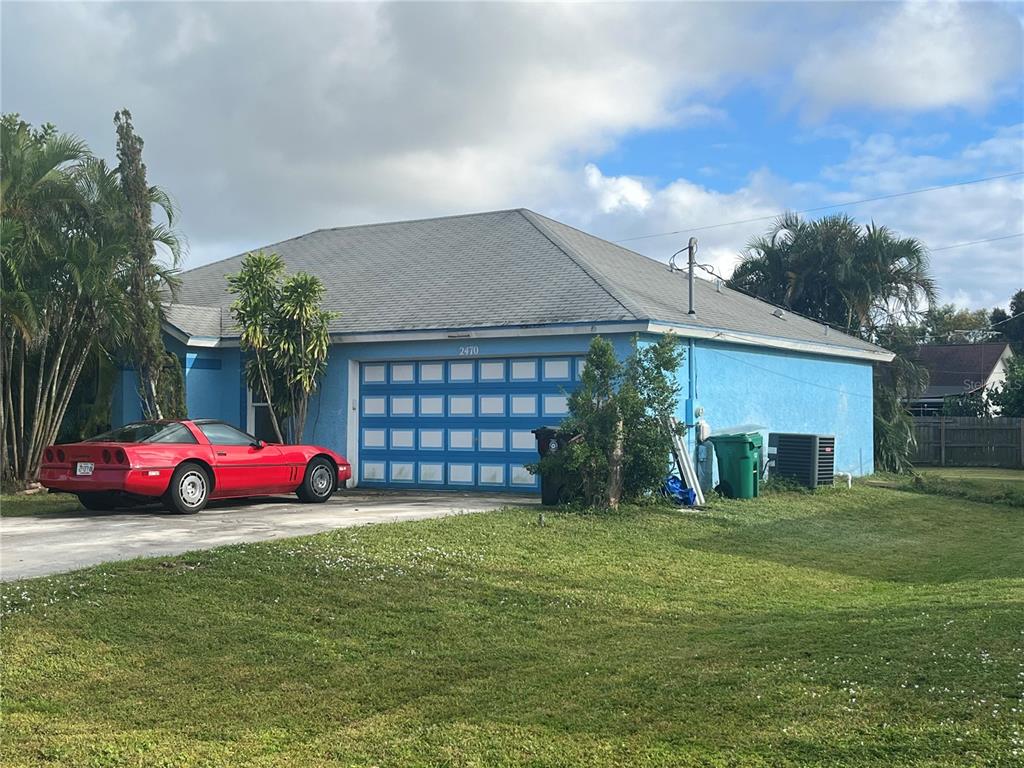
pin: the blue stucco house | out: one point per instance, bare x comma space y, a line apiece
459, 335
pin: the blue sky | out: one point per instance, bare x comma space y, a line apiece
753, 133
268, 120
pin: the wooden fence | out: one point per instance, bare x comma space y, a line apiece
960, 441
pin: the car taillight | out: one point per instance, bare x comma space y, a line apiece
121, 457
106, 456
60, 455
49, 455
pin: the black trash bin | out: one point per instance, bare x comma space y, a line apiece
550, 440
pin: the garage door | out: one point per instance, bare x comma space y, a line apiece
459, 424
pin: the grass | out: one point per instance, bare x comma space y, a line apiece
984, 484
870, 627
42, 503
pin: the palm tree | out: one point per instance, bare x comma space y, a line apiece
66, 263
866, 281
832, 269
36, 188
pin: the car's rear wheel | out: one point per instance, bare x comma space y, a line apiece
318, 482
97, 502
189, 489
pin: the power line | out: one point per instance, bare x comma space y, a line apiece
976, 242
1011, 317
821, 207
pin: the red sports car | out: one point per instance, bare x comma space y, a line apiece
185, 464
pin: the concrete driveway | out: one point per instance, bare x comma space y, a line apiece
54, 543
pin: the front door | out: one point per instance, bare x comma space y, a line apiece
241, 466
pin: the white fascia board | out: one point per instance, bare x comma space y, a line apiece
210, 341
734, 337
439, 334
196, 341
773, 342
491, 333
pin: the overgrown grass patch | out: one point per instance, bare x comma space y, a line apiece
987, 485
863, 627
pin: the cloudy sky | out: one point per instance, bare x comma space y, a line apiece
267, 120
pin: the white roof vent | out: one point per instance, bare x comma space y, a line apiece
779, 313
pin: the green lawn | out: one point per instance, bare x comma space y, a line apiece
980, 474
842, 628
986, 484
22, 505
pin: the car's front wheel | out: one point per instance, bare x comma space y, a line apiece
318, 482
97, 502
189, 489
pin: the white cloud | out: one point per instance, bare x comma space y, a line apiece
624, 208
267, 120
914, 56
981, 275
615, 193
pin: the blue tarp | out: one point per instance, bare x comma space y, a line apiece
676, 491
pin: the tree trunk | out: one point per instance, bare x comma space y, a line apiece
270, 401
615, 468
154, 400
67, 390
45, 408
6, 409
299, 418
19, 425
51, 419
143, 384
25, 474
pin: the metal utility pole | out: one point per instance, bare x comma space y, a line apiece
691, 248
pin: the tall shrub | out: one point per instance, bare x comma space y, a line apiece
619, 413
158, 372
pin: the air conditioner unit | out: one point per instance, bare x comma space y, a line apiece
809, 460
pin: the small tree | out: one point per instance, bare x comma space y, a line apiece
253, 310
284, 330
650, 396
1008, 397
301, 344
595, 416
619, 412
1010, 326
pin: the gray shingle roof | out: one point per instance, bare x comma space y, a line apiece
485, 270
958, 368
197, 321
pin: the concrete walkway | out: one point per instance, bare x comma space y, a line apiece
54, 543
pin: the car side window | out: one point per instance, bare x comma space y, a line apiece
222, 434
174, 433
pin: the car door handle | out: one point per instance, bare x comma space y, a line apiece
222, 453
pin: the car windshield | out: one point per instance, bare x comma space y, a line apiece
146, 432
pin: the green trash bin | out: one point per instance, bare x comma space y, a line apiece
739, 464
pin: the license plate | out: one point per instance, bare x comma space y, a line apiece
84, 468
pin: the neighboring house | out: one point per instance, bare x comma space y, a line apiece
959, 369
459, 335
